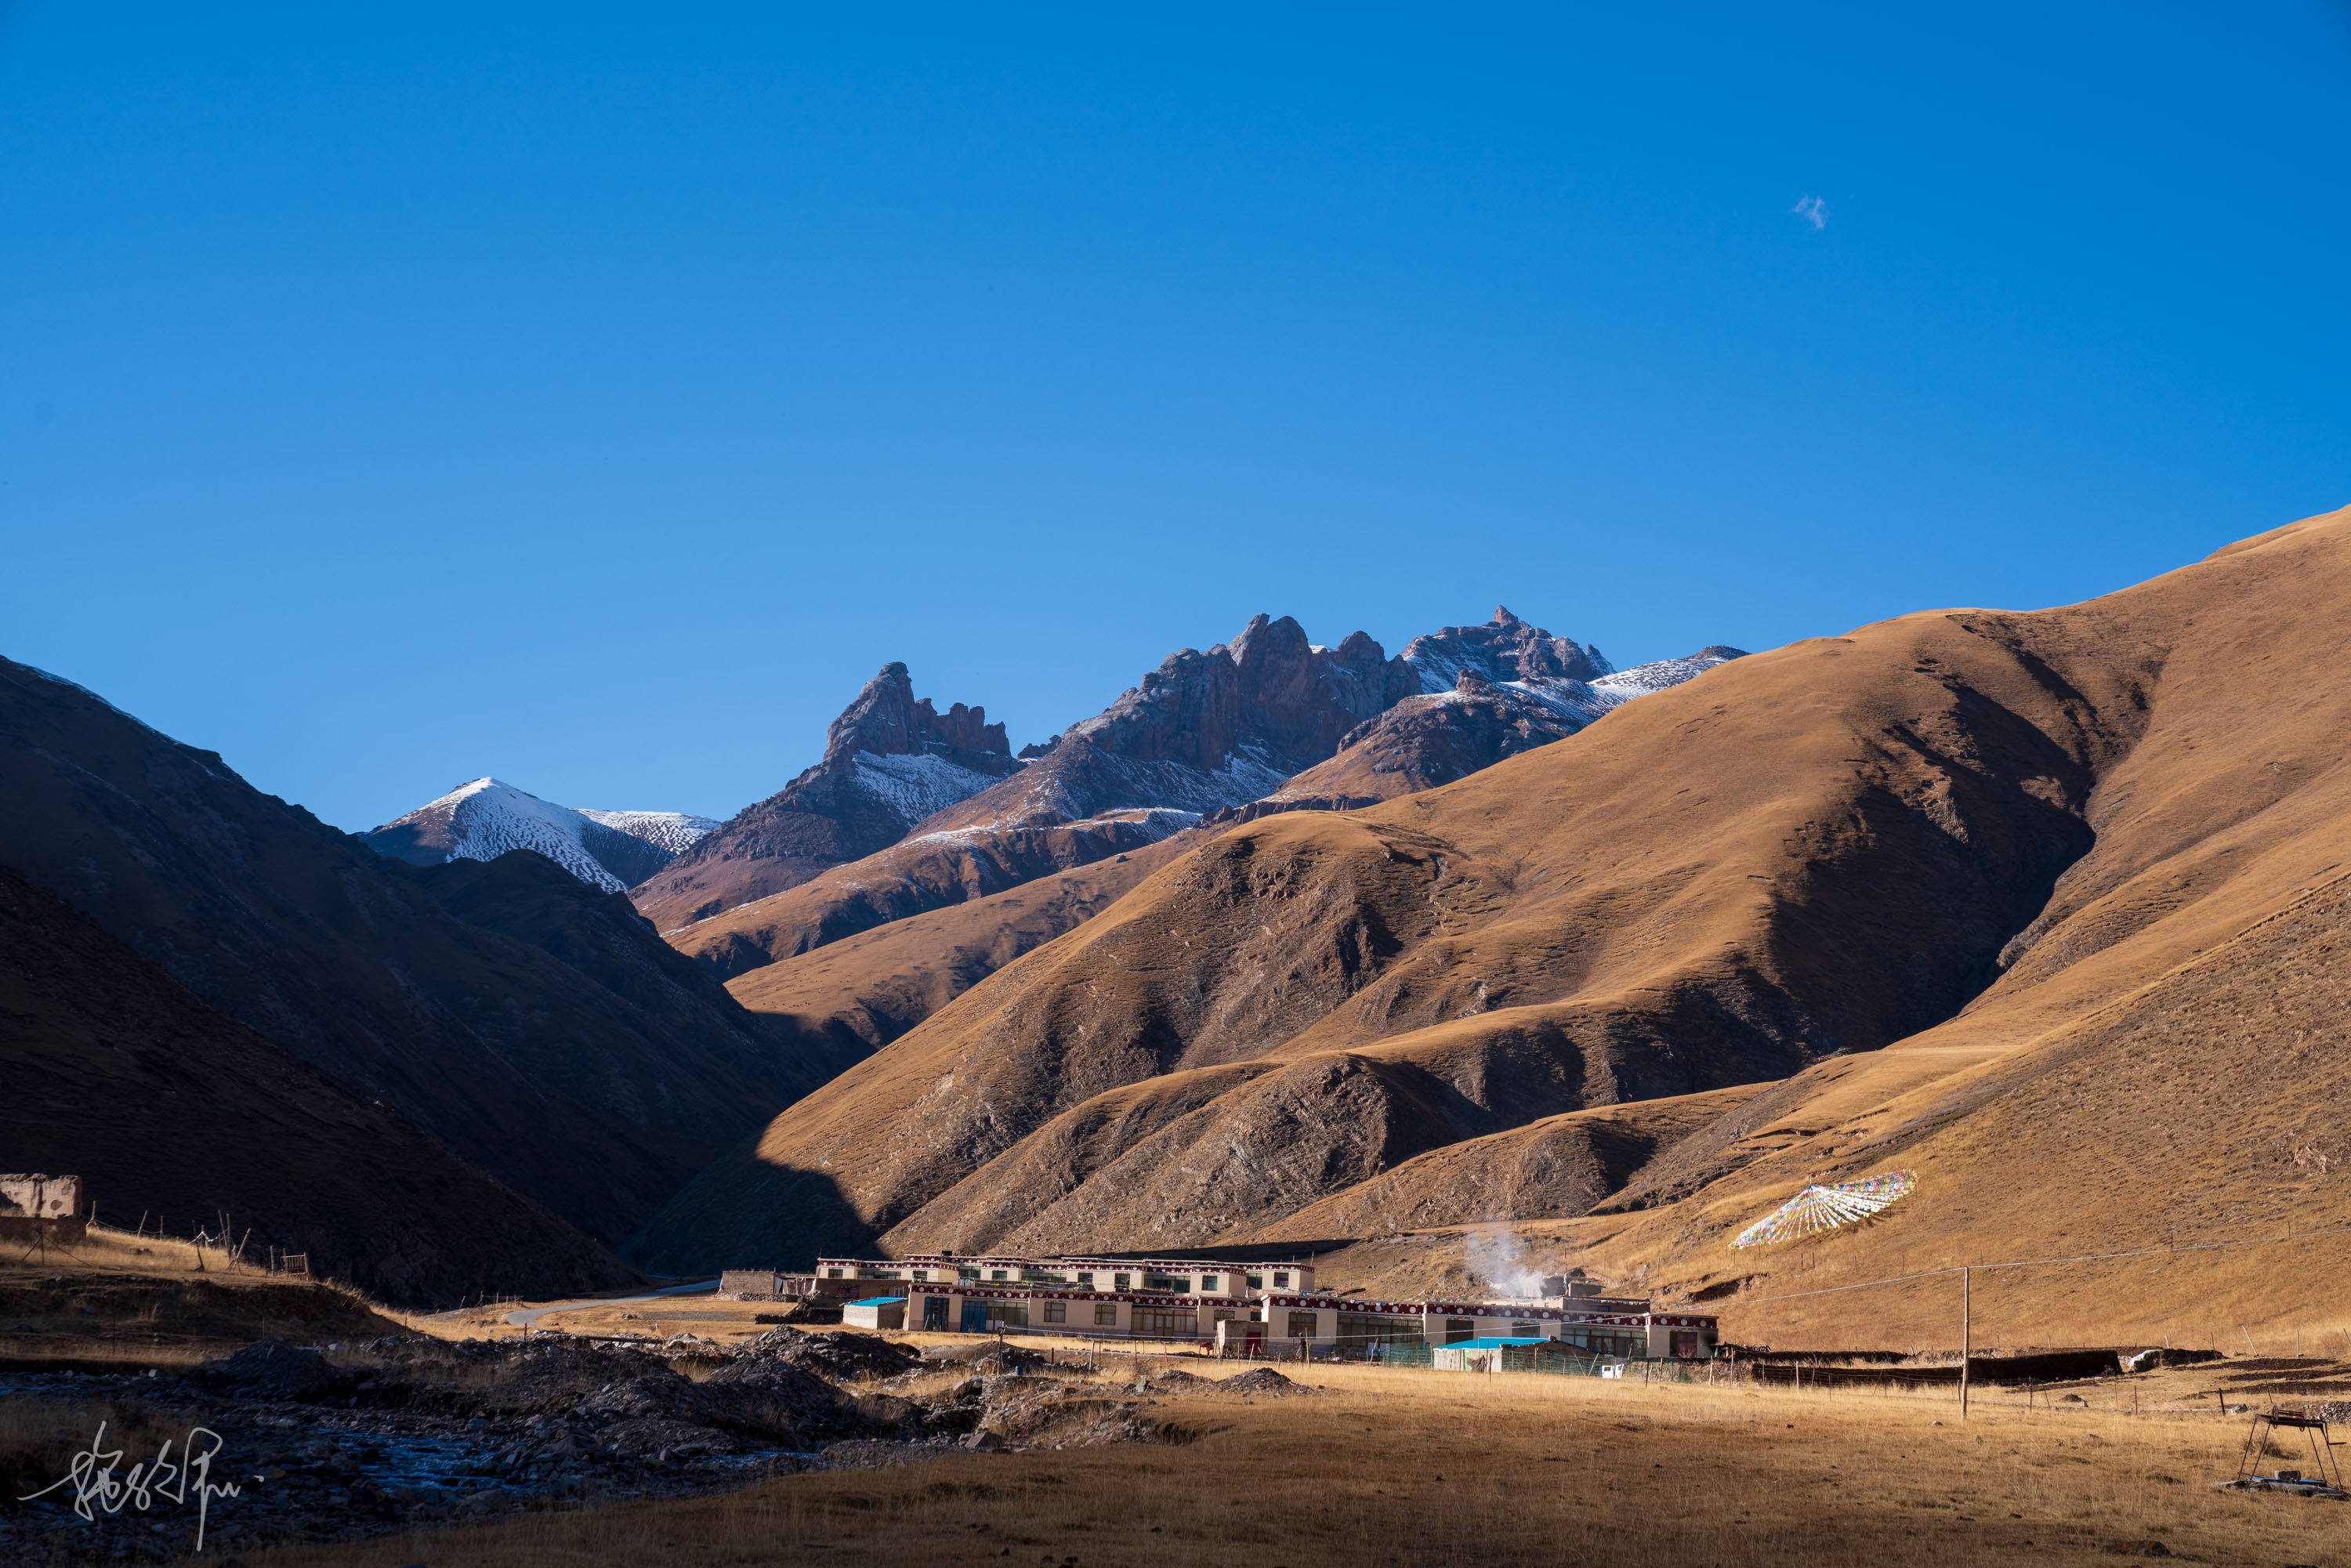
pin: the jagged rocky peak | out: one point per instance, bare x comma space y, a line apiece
1269, 692
890, 760
1504, 649
888, 720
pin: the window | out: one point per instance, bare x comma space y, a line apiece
1208, 1284
1256, 1282
1685, 1343
832, 1275
1526, 1330
1167, 1323
1357, 1330
999, 1274
1106, 1315
967, 1273
935, 1314
1458, 1329
1281, 1281
1085, 1281
1056, 1313
1013, 1313
1301, 1325
922, 1274
1168, 1282
1123, 1282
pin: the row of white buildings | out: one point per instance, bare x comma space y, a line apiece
1256, 1307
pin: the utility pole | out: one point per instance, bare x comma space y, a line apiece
1967, 1336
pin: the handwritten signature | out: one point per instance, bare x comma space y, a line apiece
97, 1489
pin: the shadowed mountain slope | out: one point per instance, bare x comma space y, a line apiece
1809, 853
596, 1104
866, 990
171, 1110
927, 873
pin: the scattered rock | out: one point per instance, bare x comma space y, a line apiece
272, 1369
1261, 1380
839, 1355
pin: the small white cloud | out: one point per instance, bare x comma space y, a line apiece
1814, 211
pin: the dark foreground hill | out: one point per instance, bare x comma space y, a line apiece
564, 1050
175, 1115
2075, 867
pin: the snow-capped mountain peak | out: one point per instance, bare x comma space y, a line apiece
482, 819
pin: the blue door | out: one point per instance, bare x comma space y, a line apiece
975, 1317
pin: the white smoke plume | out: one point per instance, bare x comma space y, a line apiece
1496, 1257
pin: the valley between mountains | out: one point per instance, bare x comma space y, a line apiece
1292, 945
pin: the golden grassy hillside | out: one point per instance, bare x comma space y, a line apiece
2033, 901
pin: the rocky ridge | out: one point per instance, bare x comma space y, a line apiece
1205, 734
890, 760
1433, 738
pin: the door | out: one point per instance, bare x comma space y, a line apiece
975, 1317
935, 1314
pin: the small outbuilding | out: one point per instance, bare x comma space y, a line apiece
875, 1312
1508, 1352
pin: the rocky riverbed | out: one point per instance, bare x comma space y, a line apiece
344, 1441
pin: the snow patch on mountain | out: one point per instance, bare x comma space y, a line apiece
1643, 679
1581, 702
916, 786
671, 830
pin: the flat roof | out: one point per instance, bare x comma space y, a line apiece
1063, 1261
1490, 1340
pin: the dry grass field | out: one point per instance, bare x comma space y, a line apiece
1388, 1465
153, 1302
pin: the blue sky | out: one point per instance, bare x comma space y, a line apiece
596, 396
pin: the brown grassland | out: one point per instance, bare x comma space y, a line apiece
1390, 1466
153, 1300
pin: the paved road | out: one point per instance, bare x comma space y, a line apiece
529, 1316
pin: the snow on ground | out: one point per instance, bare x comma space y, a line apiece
675, 832
915, 787
1643, 679
1584, 701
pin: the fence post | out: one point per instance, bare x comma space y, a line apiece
1967, 1338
